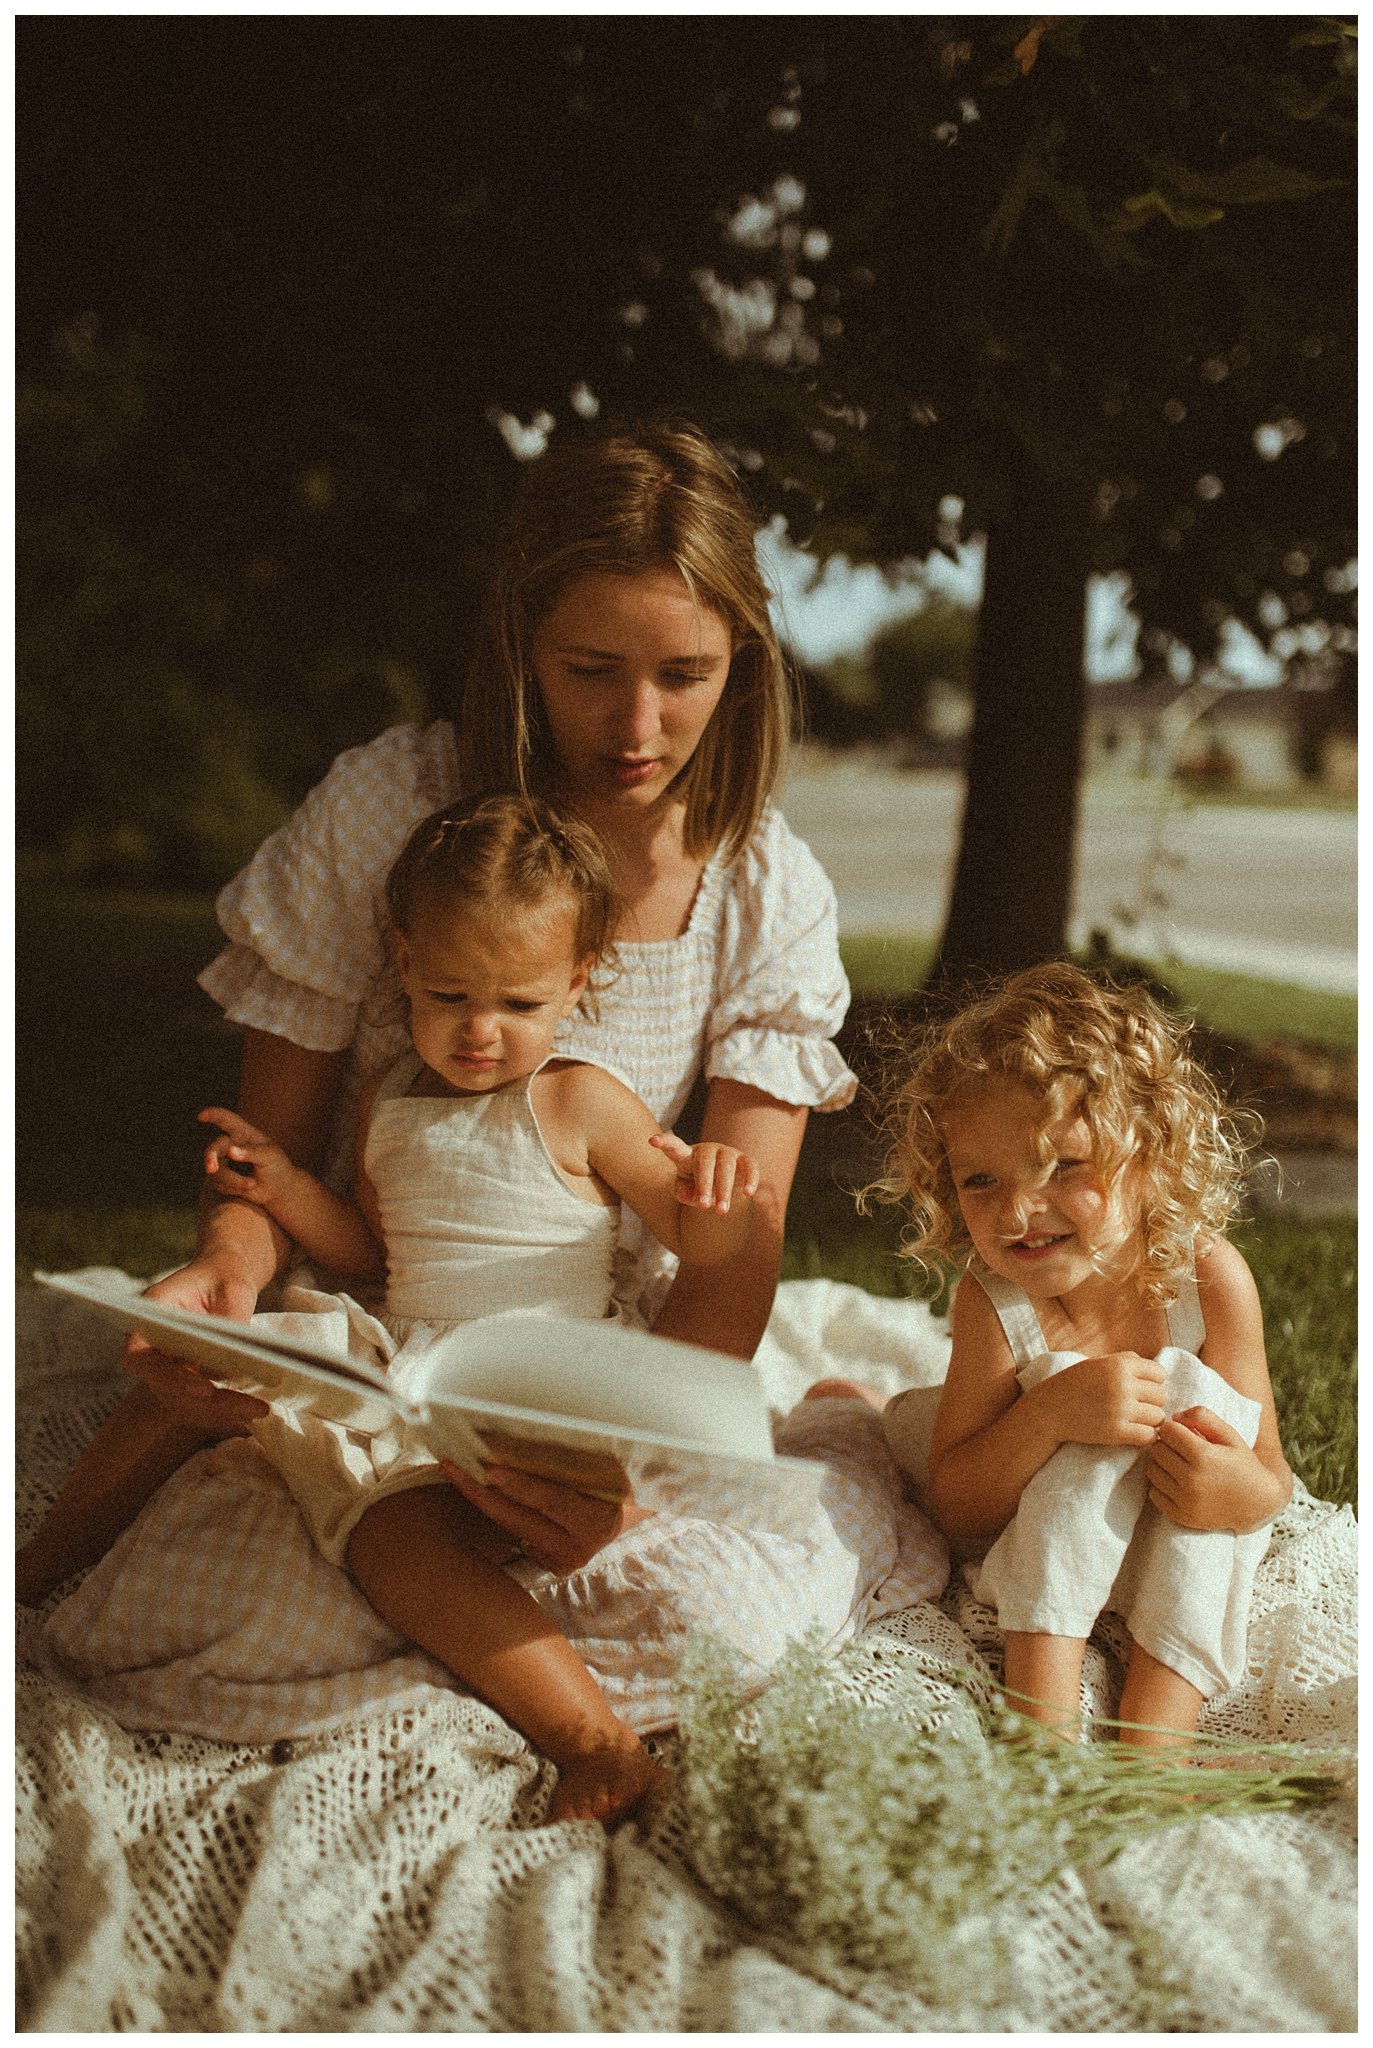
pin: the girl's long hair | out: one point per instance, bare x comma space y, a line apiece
654, 497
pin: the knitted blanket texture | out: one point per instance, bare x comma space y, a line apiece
396, 1875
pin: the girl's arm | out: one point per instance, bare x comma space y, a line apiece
174, 1411
989, 1439
1202, 1474
726, 1307
326, 1227
696, 1199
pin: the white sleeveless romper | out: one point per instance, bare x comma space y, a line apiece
1086, 1538
478, 1221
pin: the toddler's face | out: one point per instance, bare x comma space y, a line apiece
487, 996
1045, 1223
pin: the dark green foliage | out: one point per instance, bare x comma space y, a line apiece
278, 274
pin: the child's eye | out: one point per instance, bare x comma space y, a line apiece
522, 1006
445, 995
975, 1181
1067, 1165
685, 679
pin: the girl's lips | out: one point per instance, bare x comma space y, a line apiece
627, 771
1037, 1248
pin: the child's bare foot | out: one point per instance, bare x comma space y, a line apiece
845, 1390
605, 1784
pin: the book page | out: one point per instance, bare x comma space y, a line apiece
610, 1411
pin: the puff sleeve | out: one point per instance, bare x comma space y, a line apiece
781, 992
306, 917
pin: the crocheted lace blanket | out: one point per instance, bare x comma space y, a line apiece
394, 1875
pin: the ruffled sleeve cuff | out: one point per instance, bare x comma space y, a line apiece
781, 991
805, 1070
249, 993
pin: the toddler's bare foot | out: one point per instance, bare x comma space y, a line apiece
845, 1390
606, 1784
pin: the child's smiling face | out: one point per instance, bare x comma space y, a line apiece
1032, 1197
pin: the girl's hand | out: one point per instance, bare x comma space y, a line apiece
1203, 1475
556, 1526
1116, 1398
206, 1287
250, 1165
708, 1175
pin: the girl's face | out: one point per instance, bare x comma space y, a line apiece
1047, 1224
487, 994
630, 670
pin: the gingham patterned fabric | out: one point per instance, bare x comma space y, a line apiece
752, 991
215, 1615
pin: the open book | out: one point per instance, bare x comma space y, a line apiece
605, 1409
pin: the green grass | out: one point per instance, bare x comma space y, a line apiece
1306, 1274
142, 1239
1234, 1005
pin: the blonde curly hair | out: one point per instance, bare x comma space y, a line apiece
1110, 1053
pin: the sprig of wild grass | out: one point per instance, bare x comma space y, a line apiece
872, 1812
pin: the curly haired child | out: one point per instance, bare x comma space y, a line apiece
1106, 1434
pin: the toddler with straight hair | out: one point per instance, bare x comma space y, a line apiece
487, 1181
1106, 1434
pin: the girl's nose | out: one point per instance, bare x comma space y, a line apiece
638, 713
1021, 1205
481, 1027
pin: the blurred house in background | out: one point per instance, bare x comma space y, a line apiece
1298, 733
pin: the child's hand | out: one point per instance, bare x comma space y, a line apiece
1116, 1398
708, 1176
1203, 1475
251, 1165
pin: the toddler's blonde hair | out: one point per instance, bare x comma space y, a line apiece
1078, 1044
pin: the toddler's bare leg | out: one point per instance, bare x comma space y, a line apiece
845, 1390
1044, 1679
430, 1565
1166, 1705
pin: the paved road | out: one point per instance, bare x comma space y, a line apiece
1262, 892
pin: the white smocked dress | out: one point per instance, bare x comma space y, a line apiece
214, 1613
1086, 1538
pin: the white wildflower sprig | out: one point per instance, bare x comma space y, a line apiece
876, 1830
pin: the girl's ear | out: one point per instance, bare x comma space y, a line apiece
578, 985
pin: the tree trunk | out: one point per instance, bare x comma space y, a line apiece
1013, 883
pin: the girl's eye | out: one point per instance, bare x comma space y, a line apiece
976, 1181
1067, 1165
443, 995
685, 679
521, 1006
